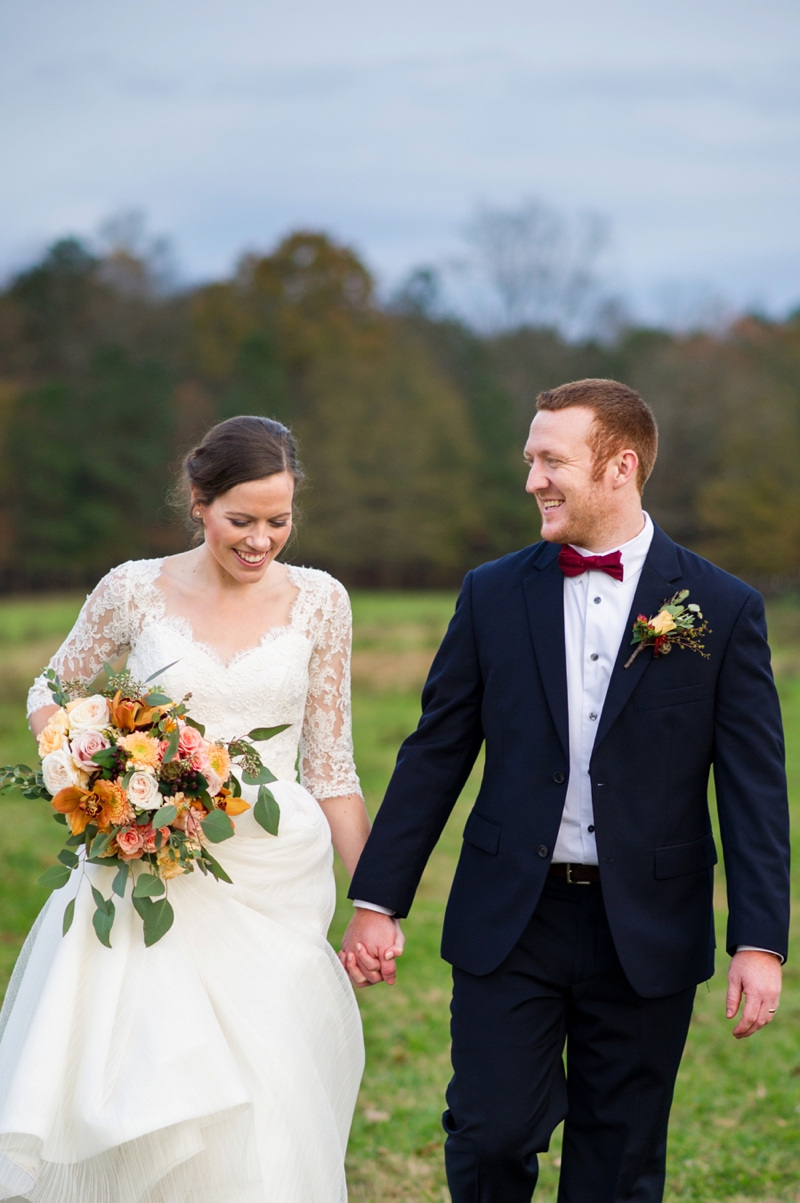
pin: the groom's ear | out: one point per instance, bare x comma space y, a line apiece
625, 469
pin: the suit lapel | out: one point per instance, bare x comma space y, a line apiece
657, 584
544, 597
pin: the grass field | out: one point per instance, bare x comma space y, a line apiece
735, 1134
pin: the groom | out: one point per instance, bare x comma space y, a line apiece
581, 910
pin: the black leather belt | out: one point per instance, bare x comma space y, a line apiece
576, 875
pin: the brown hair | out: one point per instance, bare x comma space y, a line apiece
235, 451
622, 419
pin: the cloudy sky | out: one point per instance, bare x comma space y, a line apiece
230, 122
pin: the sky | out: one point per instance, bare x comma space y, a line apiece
231, 122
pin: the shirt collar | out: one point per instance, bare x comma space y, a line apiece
633, 553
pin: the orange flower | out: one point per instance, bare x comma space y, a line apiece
220, 760
232, 806
82, 807
114, 797
144, 750
129, 714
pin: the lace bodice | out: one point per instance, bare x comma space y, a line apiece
298, 673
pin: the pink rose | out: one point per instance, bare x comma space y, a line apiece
84, 746
149, 837
191, 744
130, 843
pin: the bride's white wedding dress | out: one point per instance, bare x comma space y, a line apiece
222, 1064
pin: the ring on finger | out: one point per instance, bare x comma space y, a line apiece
773, 1010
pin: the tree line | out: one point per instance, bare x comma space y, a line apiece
411, 423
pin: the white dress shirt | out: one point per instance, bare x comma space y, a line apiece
596, 609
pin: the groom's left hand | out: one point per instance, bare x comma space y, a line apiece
757, 976
369, 948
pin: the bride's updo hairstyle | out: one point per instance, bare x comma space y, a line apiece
233, 452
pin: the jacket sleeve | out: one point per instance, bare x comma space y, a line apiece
432, 767
750, 777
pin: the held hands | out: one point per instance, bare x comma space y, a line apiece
757, 976
370, 947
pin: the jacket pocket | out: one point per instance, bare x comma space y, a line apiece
669, 697
676, 860
483, 833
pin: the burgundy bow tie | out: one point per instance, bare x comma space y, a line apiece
572, 563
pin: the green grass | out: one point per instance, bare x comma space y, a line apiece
735, 1132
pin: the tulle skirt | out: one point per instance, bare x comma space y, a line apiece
221, 1065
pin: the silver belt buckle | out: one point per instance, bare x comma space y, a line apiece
570, 881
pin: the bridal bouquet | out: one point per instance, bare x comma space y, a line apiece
131, 775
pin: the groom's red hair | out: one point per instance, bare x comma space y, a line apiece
622, 420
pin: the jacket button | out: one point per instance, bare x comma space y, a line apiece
559, 778
543, 850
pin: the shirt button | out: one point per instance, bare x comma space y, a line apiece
543, 850
559, 778
593, 716
597, 601
590, 827
594, 656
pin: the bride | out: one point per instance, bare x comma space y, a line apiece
222, 1064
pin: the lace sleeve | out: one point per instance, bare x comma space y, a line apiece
101, 633
328, 769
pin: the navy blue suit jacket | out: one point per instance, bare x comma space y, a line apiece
499, 678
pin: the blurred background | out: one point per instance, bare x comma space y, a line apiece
391, 227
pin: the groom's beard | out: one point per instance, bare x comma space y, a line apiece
580, 520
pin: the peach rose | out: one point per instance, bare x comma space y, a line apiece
149, 837
169, 865
663, 623
54, 735
84, 746
130, 843
88, 714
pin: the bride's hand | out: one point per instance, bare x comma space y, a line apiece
370, 947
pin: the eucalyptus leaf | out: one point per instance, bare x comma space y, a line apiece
165, 815
160, 671
266, 811
99, 900
69, 915
215, 867
62, 819
157, 699
158, 919
217, 826
148, 886
262, 777
100, 844
259, 734
190, 722
54, 878
103, 921
121, 880
68, 858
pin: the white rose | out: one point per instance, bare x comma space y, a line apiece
60, 770
88, 714
143, 791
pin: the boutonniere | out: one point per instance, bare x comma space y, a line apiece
675, 625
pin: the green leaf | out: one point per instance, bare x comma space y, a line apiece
75, 841
141, 905
259, 734
59, 818
172, 746
157, 699
262, 777
165, 815
121, 880
215, 867
107, 757
68, 858
190, 722
217, 826
103, 921
160, 671
99, 844
144, 818
69, 915
54, 878
694, 608
148, 886
235, 786
158, 919
99, 901
266, 811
